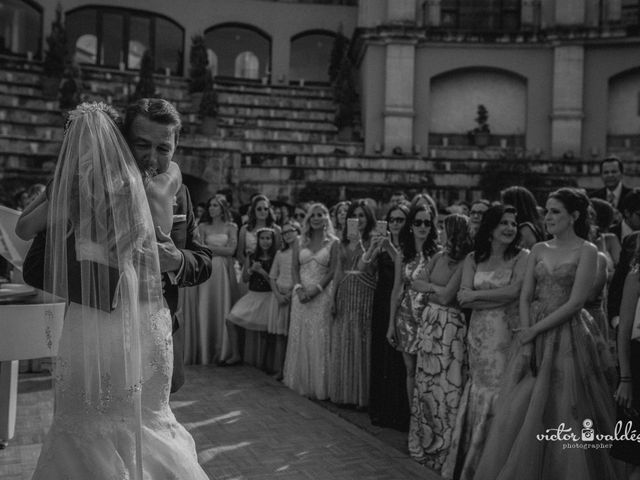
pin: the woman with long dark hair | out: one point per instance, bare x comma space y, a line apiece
417, 246
388, 404
441, 366
562, 374
490, 287
530, 225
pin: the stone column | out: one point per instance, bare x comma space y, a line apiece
567, 111
399, 96
401, 11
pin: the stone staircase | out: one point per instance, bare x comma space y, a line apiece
257, 125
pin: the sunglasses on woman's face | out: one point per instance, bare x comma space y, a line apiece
396, 219
261, 209
299, 215
419, 223
284, 232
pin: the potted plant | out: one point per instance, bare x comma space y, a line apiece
209, 108
146, 87
198, 71
55, 58
481, 134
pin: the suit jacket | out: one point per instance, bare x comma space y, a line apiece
197, 257
614, 296
602, 193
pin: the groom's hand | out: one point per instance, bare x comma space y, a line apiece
170, 257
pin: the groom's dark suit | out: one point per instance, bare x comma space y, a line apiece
197, 269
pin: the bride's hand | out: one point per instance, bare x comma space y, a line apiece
624, 394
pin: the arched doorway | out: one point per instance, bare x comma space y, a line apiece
242, 50
310, 56
20, 27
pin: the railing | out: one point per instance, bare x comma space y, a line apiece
476, 16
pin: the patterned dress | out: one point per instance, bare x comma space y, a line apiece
488, 343
441, 373
351, 333
409, 313
306, 364
573, 370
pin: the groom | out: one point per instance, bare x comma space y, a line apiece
151, 128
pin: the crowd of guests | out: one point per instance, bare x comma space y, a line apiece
474, 328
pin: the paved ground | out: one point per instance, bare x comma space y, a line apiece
246, 426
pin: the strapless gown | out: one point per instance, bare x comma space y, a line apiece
571, 385
306, 365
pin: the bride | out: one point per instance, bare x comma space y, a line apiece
112, 375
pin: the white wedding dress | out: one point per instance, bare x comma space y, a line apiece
112, 375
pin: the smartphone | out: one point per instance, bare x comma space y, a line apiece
352, 227
381, 227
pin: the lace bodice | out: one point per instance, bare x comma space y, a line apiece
553, 286
216, 239
314, 265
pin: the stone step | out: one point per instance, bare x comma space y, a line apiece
11, 114
31, 130
281, 135
16, 88
32, 145
24, 77
275, 90
28, 102
269, 147
35, 163
275, 102
276, 113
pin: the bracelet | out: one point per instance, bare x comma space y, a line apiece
297, 287
625, 377
625, 380
319, 287
365, 260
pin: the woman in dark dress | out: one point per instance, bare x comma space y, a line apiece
388, 404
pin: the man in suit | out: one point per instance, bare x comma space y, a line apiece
152, 129
629, 230
611, 172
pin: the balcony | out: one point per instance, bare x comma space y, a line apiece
468, 16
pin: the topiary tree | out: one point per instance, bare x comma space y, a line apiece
209, 102
199, 61
345, 94
57, 55
338, 51
146, 86
71, 87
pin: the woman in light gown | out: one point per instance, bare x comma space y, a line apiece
441, 365
351, 326
307, 360
113, 370
217, 295
490, 286
561, 371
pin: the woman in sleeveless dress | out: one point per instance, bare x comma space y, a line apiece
113, 370
306, 365
417, 245
217, 295
441, 365
561, 372
490, 286
388, 403
351, 327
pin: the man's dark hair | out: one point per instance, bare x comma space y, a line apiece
612, 158
157, 110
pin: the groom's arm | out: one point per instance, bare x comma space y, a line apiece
196, 266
